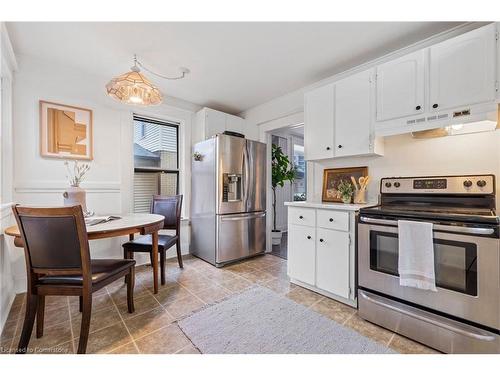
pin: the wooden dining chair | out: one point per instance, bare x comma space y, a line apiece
170, 208
58, 263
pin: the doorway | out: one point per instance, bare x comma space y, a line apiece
291, 142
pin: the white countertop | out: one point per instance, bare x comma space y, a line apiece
331, 206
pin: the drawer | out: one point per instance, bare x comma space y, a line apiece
302, 216
329, 219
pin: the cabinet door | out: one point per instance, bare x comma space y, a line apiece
235, 124
301, 253
332, 261
353, 115
318, 127
462, 70
215, 123
400, 87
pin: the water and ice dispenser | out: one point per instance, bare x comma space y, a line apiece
232, 187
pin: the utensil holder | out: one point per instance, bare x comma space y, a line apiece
360, 196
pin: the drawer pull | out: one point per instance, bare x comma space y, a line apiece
301, 217
331, 220
320, 240
308, 237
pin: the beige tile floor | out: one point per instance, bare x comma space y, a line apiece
152, 328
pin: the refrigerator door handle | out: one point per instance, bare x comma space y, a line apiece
246, 175
243, 216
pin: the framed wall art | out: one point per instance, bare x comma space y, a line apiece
332, 178
65, 131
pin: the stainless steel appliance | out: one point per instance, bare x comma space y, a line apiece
228, 199
463, 316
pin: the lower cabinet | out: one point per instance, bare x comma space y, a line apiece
301, 253
332, 261
319, 257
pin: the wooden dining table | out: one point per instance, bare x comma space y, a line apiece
125, 225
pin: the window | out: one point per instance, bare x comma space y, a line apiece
300, 182
156, 160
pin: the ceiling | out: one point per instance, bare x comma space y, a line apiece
234, 66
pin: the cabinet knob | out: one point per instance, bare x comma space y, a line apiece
301, 217
328, 148
308, 237
418, 108
340, 146
435, 106
320, 240
331, 220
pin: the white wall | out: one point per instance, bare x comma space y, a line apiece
7, 257
109, 183
477, 153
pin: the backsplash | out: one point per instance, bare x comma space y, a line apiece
405, 156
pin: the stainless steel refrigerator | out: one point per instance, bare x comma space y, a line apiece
228, 199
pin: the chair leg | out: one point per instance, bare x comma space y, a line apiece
162, 266
126, 255
80, 303
179, 253
29, 320
130, 278
40, 316
85, 327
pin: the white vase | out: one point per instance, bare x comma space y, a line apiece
75, 195
276, 237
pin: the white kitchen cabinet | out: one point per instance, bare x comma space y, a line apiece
321, 252
353, 108
332, 261
210, 122
400, 87
235, 124
302, 253
462, 70
319, 123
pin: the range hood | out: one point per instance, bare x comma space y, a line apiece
464, 121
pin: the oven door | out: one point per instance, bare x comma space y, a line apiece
467, 266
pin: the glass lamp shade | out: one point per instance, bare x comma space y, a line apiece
134, 88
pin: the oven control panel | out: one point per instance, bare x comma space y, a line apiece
477, 184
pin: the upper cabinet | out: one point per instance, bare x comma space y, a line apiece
400, 87
210, 122
353, 110
462, 70
319, 122
448, 83
338, 119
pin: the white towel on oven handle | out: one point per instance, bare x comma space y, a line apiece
416, 255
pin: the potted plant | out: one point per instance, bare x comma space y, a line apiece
282, 170
345, 191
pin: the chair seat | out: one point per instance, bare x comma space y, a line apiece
145, 243
101, 270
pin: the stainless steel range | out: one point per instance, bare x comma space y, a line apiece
463, 316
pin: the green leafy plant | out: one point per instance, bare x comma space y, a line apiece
283, 170
345, 190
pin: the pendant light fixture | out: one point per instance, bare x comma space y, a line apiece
134, 88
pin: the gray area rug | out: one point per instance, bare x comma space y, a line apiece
259, 321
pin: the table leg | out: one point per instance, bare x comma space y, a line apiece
155, 261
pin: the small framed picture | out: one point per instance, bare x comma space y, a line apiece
65, 131
332, 178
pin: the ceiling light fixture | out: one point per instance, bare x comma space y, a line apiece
134, 88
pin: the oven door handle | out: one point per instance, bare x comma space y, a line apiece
478, 335
448, 228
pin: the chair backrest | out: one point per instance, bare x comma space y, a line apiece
170, 207
55, 240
